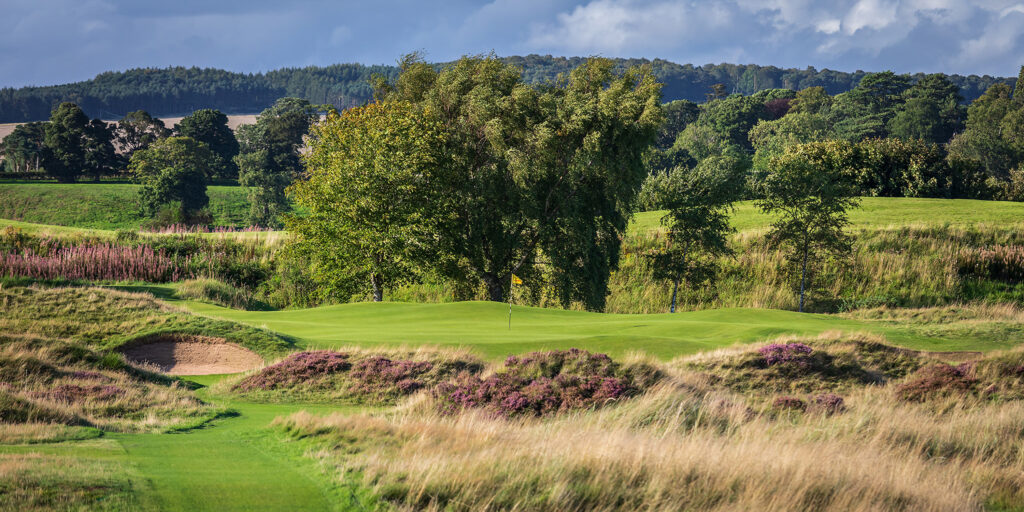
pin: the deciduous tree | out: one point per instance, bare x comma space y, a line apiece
210, 127
810, 190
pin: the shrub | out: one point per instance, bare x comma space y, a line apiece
540, 383
352, 376
938, 380
307, 368
829, 403
789, 403
786, 353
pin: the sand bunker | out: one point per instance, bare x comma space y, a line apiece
191, 355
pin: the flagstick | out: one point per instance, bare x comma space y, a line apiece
510, 283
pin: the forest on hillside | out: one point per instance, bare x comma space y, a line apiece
180, 90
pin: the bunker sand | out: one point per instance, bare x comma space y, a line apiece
192, 355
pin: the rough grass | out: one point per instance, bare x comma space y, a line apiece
45, 380
103, 205
106, 319
214, 292
692, 443
45, 482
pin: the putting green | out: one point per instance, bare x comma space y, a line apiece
483, 327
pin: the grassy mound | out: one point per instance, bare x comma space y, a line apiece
103, 205
106, 319
831, 362
354, 375
46, 380
541, 383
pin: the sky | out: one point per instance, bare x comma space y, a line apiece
44, 42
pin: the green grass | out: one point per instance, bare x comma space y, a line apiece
236, 463
483, 328
106, 206
880, 212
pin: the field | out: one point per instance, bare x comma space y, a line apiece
107, 206
234, 121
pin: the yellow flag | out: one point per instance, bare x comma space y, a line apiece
516, 280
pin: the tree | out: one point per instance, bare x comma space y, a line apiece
211, 128
137, 130
174, 170
370, 183
809, 191
25, 147
865, 110
986, 139
269, 160
699, 203
100, 156
812, 100
678, 115
932, 111
65, 139
550, 170
1018, 88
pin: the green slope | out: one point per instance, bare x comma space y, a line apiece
483, 327
882, 212
102, 205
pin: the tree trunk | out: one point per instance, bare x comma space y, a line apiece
378, 287
803, 277
675, 286
495, 290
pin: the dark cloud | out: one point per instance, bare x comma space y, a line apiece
55, 41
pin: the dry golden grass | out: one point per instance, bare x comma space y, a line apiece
688, 444
38, 482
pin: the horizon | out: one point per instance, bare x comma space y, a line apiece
54, 42
1011, 74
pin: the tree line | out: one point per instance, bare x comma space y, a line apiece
177, 90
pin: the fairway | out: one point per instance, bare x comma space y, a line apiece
483, 327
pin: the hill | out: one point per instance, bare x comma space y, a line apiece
179, 90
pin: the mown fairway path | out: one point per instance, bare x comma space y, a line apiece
236, 463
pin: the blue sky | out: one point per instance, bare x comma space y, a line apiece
55, 41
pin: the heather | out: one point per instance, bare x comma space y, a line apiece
541, 383
831, 362
354, 375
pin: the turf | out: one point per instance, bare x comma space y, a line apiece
483, 327
236, 464
102, 205
881, 212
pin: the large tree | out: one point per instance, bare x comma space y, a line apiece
25, 147
809, 191
371, 185
548, 170
174, 171
66, 139
137, 130
269, 160
932, 111
699, 202
210, 127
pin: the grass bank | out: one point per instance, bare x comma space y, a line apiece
105, 206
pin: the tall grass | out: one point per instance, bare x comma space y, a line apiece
688, 444
106, 262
